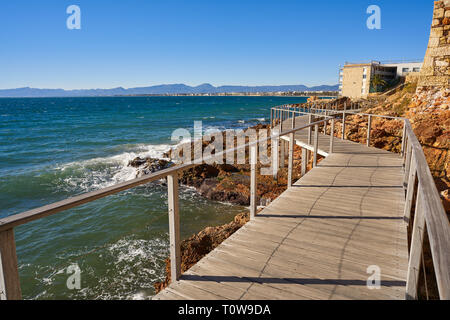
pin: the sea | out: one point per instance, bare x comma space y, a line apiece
115, 247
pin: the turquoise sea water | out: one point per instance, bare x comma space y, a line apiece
54, 148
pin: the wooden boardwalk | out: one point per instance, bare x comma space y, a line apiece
321, 239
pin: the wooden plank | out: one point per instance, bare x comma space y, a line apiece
10, 282
174, 226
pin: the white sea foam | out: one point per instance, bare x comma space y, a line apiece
102, 172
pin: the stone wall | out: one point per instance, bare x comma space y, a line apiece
436, 66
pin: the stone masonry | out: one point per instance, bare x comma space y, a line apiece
436, 66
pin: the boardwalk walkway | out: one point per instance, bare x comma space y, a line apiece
318, 239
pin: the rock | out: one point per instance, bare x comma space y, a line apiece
148, 165
445, 196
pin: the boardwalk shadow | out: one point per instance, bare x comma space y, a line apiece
340, 166
350, 186
300, 281
329, 217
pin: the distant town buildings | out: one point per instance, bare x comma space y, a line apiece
358, 80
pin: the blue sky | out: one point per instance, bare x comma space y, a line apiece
248, 42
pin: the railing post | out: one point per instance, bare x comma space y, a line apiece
275, 155
325, 124
293, 119
369, 128
308, 152
316, 144
343, 122
403, 138
332, 136
271, 118
291, 159
281, 120
304, 161
415, 252
410, 190
174, 226
9, 272
253, 182
407, 164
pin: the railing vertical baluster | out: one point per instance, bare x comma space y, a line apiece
369, 128
9, 272
253, 182
316, 144
174, 226
415, 254
325, 124
332, 136
291, 159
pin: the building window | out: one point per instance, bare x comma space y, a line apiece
416, 70
364, 76
404, 70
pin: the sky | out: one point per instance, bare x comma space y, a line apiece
247, 42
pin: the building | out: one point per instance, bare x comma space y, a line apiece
356, 79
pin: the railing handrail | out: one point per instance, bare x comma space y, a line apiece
437, 223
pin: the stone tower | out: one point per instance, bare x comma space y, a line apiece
436, 66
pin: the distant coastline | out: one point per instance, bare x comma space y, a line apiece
174, 90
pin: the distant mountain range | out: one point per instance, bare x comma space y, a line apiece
159, 89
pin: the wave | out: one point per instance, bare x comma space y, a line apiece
102, 172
